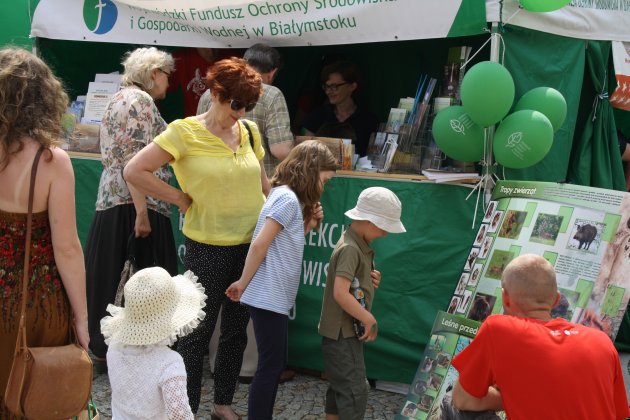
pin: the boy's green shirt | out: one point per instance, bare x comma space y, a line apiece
352, 257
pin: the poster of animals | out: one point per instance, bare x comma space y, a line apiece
429, 395
584, 232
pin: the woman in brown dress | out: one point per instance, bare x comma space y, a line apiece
32, 102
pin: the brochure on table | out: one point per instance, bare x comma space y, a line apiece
98, 95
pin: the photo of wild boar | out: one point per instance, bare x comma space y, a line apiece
586, 236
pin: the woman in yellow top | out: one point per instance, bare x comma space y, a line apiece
223, 188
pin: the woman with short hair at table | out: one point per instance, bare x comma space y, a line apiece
342, 116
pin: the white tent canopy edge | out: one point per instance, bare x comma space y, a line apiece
599, 20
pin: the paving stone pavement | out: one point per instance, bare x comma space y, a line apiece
300, 398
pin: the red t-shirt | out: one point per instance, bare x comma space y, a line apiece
545, 369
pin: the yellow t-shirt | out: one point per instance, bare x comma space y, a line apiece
224, 185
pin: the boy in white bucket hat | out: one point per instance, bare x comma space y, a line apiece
346, 320
148, 379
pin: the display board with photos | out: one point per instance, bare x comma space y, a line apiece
583, 232
430, 393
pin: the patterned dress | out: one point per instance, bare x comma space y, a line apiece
130, 122
48, 310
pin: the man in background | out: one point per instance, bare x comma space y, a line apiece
271, 113
534, 366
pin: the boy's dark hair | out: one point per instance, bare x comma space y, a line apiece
263, 58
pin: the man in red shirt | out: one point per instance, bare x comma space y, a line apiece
534, 366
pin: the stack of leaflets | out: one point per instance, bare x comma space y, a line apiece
396, 119
99, 93
444, 176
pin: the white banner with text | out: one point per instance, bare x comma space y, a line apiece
600, 20
238, 23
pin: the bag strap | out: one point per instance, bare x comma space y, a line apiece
21, 335
249, 131
132, 248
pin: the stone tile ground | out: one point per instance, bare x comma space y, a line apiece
300, 398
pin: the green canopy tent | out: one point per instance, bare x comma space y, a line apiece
392, 70
595, 159
522, 39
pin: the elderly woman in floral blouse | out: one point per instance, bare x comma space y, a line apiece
130, 122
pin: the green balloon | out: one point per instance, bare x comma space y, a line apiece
523, 139
543, 5
487, 92
457, 134
546, 100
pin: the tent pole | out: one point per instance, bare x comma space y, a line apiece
495, 47
494, 42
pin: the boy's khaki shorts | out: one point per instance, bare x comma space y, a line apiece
345, 368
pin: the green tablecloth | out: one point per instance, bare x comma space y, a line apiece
420, 268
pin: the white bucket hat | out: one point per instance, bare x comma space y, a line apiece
158, 307
381, 207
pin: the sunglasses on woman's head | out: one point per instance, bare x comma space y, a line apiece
237, 105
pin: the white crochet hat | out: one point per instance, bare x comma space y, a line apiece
158, 307
381, 207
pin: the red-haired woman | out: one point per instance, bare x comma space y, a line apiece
222, 176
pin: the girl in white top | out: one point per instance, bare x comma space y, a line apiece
270, 278
148, 379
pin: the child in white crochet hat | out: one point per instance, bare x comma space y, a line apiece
346, 320
148, 379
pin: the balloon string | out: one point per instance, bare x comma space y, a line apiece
476, 52
486, 181
513, 14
